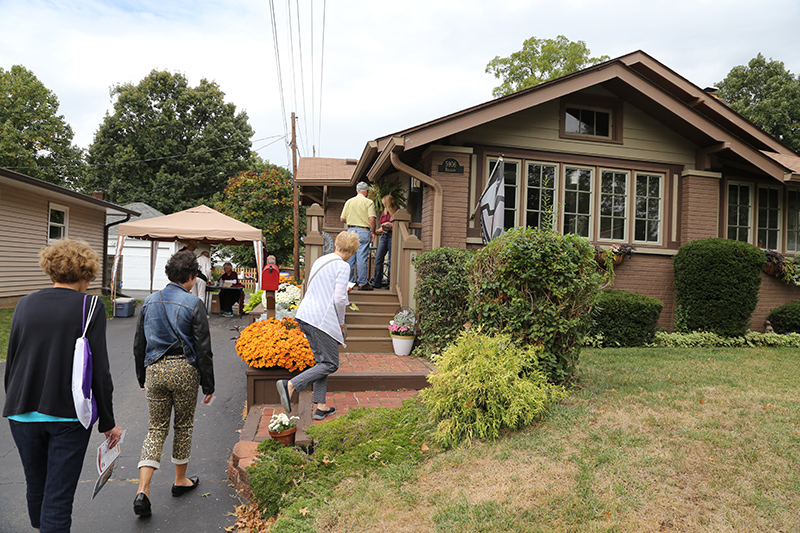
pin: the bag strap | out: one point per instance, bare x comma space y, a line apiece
84, 322
328, 262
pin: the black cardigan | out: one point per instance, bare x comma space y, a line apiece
38, 373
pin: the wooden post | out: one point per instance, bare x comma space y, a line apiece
295, 203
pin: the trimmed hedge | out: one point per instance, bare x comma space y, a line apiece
441, 295
625, 318
717, 282
537, 286
786, 318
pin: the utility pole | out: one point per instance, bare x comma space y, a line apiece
295, 205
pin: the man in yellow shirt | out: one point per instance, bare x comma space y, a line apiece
359, 215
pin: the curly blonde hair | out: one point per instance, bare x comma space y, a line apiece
69, 261
347, 241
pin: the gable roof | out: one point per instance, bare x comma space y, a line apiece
325, 170
145, 212
636, 78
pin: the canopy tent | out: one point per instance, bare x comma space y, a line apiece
201, 224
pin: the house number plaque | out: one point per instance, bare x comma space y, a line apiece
451, 166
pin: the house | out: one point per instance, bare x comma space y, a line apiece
32, 214
134, 268
626, 151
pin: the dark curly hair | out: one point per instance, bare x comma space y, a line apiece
182, 267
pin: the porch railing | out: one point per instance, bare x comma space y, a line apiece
405, 248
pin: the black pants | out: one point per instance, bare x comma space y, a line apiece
228, 297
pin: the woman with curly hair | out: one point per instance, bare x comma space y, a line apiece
50, 439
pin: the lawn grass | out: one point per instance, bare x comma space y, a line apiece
5, 329
655, 439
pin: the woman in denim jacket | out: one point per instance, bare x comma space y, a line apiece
172, 352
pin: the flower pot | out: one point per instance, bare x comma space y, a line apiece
772, 269
402, 344
285, 437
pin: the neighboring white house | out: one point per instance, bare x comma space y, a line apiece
135, 259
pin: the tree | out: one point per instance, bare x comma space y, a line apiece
538, 61
167, 144
34, 139
263, 200
768, 95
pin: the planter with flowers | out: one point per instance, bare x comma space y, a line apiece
287, 298
613, 256
282, 428
402, 329
273, 349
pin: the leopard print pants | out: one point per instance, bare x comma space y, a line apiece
170, 382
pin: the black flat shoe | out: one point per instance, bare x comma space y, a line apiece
141, 505
283, 392
319, 414
179, 490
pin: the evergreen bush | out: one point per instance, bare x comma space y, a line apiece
717, 282
625, 318
537, 286
441, 295
484, 384
786, 318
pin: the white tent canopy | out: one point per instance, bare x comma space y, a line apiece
201, 224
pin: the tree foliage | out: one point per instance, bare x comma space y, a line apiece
768, 95
538, 61
34, 139
263, 200
167, 144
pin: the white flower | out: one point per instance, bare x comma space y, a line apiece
288, 295
281, 422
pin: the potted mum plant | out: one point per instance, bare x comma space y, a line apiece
402, 329
282, 428
287, 298
273, 349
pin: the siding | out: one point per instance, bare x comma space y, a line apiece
644, 138
23, 232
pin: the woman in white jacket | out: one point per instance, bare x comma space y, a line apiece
321, 318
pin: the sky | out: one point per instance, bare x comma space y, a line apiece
356, 70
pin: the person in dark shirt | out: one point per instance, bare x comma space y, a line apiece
50, 439
228, 297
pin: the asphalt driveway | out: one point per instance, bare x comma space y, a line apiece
215, 432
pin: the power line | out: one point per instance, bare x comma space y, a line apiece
321, 72
278, 67
302, 75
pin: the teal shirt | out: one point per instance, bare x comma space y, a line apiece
36, 416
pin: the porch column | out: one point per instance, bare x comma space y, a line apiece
701, 203
313, 240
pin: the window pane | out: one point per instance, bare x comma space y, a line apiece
648, 207
587, 122
57, 216
573, 120
56, 233
738, 212
602, 124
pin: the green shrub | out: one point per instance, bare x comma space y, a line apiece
441, 296
707, 339
484, 384
537, 286
272, 473
717, 282
786, 318
625, 318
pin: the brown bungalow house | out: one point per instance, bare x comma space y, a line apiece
32, 214
629, 152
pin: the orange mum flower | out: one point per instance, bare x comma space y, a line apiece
270, 343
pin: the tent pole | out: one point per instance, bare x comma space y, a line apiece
295, 204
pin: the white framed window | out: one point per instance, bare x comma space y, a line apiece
793, 220
613, 205
58, 223
740, 202
540, 195
511, 189
578, 200
648, 207
769, 217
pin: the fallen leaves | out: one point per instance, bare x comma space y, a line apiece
248, 520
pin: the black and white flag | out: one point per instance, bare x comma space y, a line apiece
493, 204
